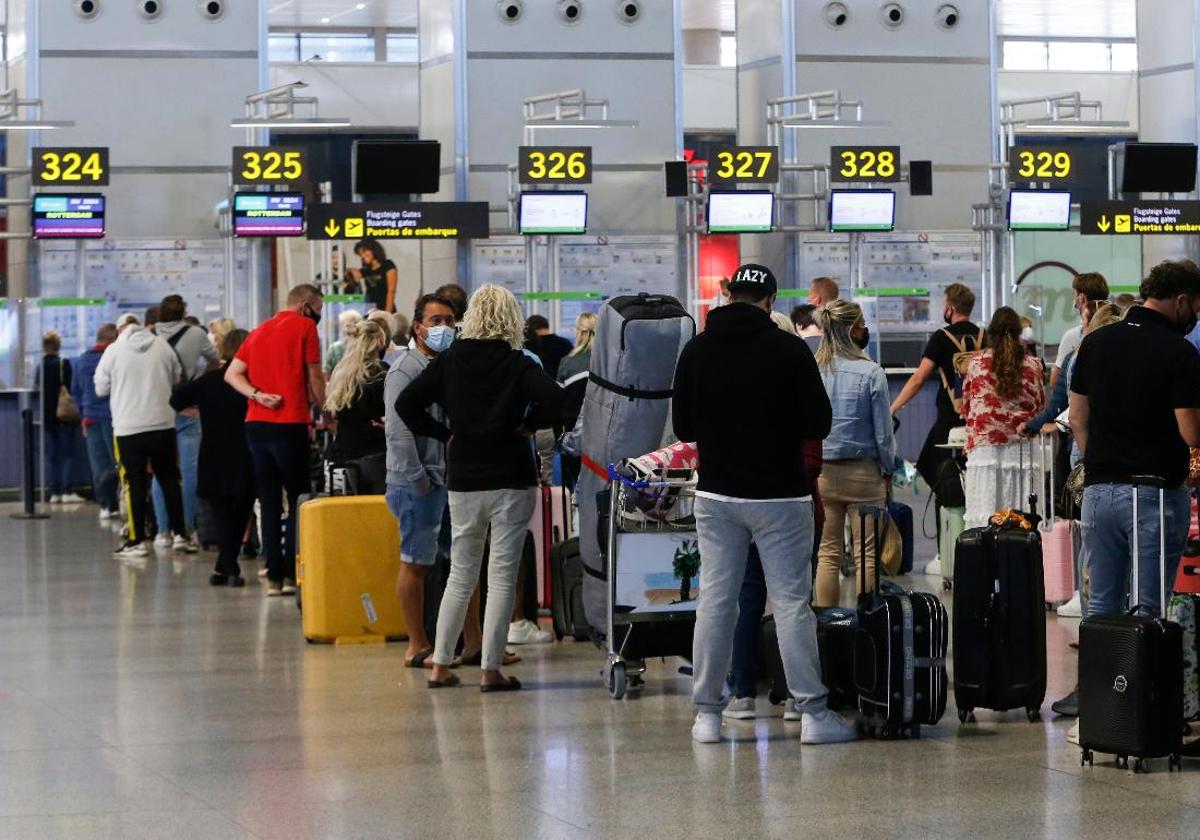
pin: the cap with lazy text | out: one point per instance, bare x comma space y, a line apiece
752, 277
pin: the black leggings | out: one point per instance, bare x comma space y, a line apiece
231, 514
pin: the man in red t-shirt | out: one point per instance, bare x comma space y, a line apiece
278, 369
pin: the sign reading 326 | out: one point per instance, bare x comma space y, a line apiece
555, 164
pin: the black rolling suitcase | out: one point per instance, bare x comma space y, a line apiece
899, 654
566, 591
835, 645
1131, 674
999, 622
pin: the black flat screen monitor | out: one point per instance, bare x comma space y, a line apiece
1159, 167
397, 167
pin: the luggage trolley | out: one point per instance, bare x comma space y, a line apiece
651, 609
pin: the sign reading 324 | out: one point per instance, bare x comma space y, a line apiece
76, 166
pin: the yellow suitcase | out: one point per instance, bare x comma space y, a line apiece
347, 561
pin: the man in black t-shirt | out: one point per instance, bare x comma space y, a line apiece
1135, 410
959, 335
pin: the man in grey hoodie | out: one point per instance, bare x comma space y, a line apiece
196, 354
416, 479
137, 373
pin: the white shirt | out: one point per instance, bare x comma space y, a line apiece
1068, 344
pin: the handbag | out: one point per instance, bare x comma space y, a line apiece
66, 411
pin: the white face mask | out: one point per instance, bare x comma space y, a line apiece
1027, 336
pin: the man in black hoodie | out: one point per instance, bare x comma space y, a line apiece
749, 395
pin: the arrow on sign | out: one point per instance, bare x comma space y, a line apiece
1103, 224
332, 228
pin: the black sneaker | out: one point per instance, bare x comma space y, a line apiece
132, 549
218, 579
236, 581
1068, 706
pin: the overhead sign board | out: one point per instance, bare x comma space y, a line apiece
68, 216
555, 164
269, 165
866, 164
744, 165
1139, 218
399, 220
70, 166
1030, 164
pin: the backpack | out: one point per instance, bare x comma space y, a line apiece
959, 362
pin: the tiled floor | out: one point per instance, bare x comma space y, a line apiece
140, 703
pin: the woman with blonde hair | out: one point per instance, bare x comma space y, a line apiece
1002, 390
860, 451
580, 358
354, 397
494, 397
218, 328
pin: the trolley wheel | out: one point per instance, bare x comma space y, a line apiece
1086, 757
1034, 715
1140, 765
616, 680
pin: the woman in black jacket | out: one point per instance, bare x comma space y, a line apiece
495, 397
226, 475
354, 397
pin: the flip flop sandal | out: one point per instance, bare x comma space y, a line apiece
511, 684
449, 682
509, 658
418, 659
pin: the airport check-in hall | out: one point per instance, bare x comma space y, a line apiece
789, 409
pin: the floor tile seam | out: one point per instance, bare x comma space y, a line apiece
557, 818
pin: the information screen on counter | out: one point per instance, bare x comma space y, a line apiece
68, 216
1039, 210
553, 212
741, 211
268, 214
852, 211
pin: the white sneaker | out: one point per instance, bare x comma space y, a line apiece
71, 499
105, 515
790, 711
288, 588
934, 567
132, 549
1071, 609
163, 539
183, 545
56, 500
526, 632
707, 728
741, 708
826, 727
1073, 733
262, 573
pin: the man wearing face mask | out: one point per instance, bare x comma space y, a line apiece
1090, 290
416, 475
278, 369
1134, 411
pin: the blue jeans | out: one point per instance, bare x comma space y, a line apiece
420, 519
1107, 533
60, 457
187, 438
783, 532
103, 460
747, 635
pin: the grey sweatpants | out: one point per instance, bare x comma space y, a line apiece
783, 532
507, 512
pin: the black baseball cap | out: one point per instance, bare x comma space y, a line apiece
753, 277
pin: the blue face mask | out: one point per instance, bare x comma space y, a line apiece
438, 339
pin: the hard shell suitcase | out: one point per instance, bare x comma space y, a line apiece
1184, 610
899, 655
1131, 674
348, 558
835, 644
549, 525
902, 515
566, 591
999, 622
1058, 549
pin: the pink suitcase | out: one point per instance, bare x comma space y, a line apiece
550, 524
1058, 549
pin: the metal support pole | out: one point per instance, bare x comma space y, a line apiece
28, 449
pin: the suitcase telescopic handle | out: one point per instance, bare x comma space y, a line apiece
1137, 482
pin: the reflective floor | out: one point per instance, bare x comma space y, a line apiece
140, 703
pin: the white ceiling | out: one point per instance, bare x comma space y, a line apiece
1059, 18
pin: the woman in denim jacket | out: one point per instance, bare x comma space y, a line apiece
860, 452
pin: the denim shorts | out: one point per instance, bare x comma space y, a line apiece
421, 520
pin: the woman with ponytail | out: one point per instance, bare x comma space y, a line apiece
860, 451
355, 398
1002, 390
